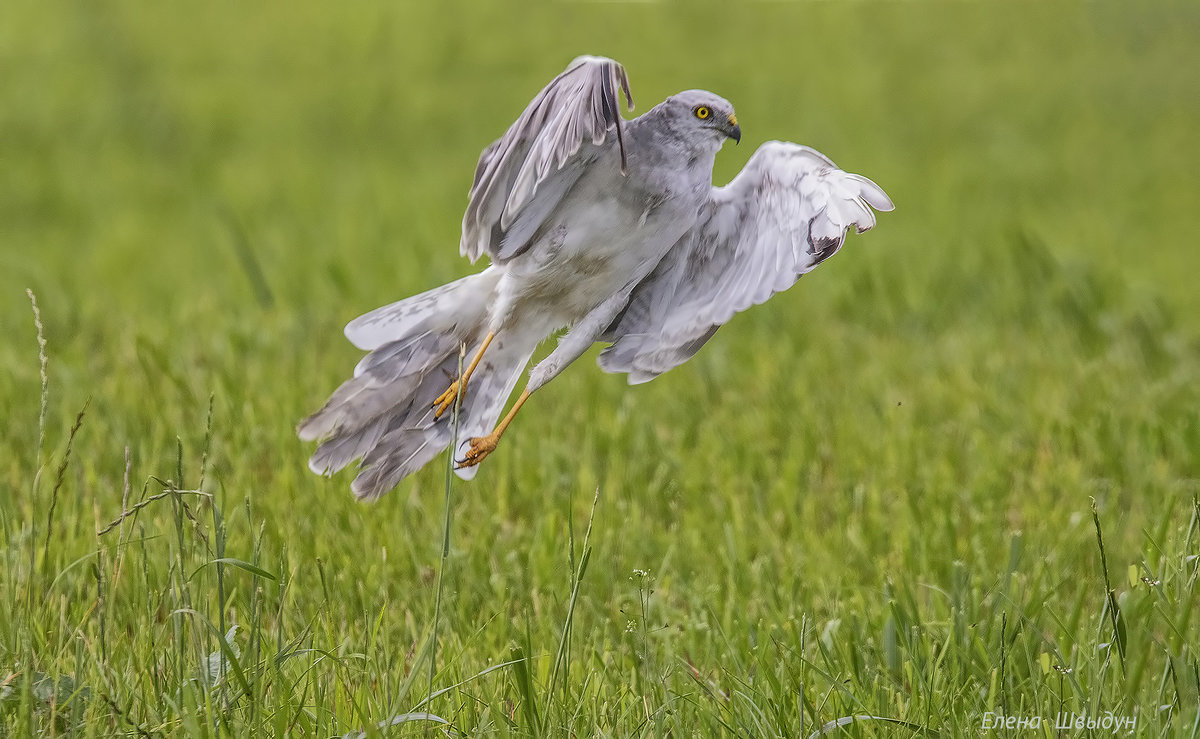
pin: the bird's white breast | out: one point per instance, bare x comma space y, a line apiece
603, 236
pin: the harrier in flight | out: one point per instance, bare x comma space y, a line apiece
610, 228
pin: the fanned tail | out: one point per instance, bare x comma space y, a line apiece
413, 439
384, 414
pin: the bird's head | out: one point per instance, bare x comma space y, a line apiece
709, 115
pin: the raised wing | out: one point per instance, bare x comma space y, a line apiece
785, 213
580, 106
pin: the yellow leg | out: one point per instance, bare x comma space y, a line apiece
481, 446
446, 400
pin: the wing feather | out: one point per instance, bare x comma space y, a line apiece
786, 212
579, 108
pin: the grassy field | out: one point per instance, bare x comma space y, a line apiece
952, 475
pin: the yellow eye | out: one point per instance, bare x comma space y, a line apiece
703, 112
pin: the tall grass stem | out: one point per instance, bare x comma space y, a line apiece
1114, 614
446, 521
43, 363
59, 478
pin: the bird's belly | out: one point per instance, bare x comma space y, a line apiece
574, 270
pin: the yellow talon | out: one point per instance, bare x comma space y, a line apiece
446, 400
481, 447
458, 388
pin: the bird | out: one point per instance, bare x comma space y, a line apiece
607, 228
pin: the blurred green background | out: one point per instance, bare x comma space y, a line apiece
201, 195
343, 138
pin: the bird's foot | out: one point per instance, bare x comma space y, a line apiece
481, 447
446, 400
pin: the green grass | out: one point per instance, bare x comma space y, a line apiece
872, 496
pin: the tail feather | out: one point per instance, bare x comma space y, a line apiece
409, 440
399, 454
425, 312
406, 403
411, 355
379, 388
383, 415
415, 438
337, 452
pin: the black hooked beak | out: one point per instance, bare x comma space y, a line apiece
734, 131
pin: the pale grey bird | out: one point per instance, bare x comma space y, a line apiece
607, 227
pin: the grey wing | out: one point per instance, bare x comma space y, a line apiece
786, 212
578, 109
